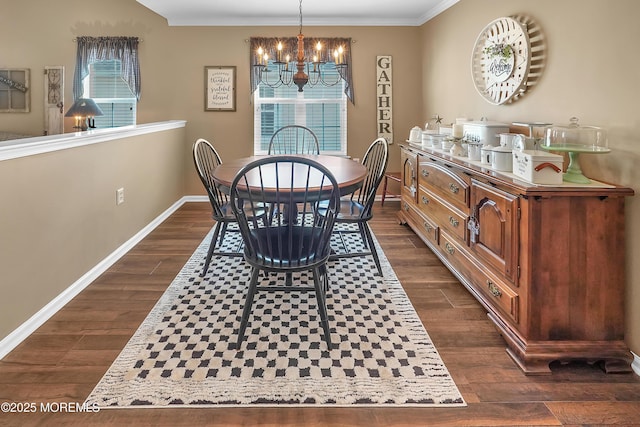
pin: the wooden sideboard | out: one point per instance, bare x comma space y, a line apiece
546, 262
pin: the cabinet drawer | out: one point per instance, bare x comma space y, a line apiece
496, 293
440, 180
443, 215
425, 227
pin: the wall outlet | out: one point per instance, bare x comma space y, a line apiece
120, 196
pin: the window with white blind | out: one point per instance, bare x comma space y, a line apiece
323, 109
112, 94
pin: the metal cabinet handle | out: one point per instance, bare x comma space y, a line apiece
449, 247
406, 206
425, 173
454, 188
454, 222
428, 227
495, 291
425, 200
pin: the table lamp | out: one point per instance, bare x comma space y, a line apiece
84, 110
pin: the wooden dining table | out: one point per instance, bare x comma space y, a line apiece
349, 174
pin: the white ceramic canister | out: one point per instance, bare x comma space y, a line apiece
415, 135
522, 144
474, 151
502, 159
485, 154
509, 139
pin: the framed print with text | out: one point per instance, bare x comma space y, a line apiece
220, 88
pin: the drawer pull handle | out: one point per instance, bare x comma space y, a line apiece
495, 291
454, 188
428, 227
406, 206
453, 221
425, 173
450, 248
425, 200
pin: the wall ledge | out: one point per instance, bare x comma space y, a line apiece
17, 148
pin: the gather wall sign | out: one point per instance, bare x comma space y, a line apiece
384, 97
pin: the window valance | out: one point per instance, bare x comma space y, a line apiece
92, 49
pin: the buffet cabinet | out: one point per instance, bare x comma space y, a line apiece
547, 263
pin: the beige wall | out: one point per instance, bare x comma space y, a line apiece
60, 219
592, 71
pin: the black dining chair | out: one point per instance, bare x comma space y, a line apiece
206, 159
294, 139
358, 207
286, 247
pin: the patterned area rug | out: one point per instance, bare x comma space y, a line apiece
184, 352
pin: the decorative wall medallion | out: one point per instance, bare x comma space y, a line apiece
501, 59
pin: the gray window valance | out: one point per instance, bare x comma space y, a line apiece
92, 49
290, 45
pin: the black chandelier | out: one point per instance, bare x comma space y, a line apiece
306, 72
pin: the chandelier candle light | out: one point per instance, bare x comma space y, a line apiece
307, 73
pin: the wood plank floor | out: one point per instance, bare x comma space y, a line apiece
64, 359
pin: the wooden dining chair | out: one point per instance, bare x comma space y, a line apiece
280, 246
358, 208
294, 139
206, 159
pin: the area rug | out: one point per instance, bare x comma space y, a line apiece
184, 352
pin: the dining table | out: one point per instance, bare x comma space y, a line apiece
348, 173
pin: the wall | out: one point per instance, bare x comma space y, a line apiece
60, 218
591, 72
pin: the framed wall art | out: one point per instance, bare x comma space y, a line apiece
14, 90
220, 88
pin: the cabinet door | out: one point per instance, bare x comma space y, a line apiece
494, 228
409, 161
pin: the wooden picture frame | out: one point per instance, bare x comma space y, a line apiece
15, 93
220, 88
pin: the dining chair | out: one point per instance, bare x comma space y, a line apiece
206, 159
286, 247
358, 207
294, 139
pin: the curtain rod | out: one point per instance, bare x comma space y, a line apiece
139, 39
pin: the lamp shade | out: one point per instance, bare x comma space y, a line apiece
84, 107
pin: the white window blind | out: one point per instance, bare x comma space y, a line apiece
106, 87
323, 109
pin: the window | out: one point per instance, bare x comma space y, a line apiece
112, 94
323, 109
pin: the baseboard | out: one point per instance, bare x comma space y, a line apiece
12, 340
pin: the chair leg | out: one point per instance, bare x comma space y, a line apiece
372, 248
363, 234
223, 231
246, 312
384, 190
212, 246
322, 307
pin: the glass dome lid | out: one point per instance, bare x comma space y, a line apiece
576, 138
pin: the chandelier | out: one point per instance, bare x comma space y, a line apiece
286, 71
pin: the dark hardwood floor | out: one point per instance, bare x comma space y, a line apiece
64, 359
